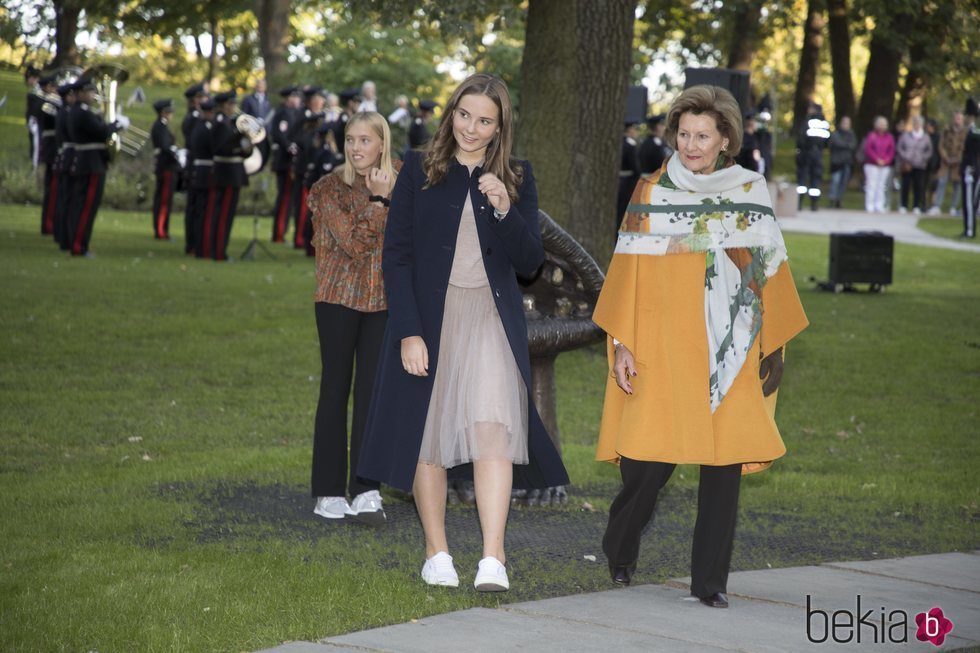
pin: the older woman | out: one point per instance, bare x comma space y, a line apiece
698, 304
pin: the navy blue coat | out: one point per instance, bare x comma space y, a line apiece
417, 258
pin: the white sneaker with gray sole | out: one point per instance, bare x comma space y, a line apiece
366, 508
491, 576
332, 507
439, 570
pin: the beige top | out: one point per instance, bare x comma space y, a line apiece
468, 269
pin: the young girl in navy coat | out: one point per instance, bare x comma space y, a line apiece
452, 385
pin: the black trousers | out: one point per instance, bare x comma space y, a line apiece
284, 202
203, 200
86, 198
50, 202
222, 217
163, 201
62, 209
914, 180
714, 532
350, 342
971, 201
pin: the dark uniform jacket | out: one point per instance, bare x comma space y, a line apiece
164, 147
63, 144
253, 105
47, 124
418, 134
652, 154
226, 143
200, 155
417, 259
89, 132
303, 161
187, 126
283, 123
323, 163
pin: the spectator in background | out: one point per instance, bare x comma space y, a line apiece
400, 120
418, 133
810, 143
750, 156
257, 103
970, 169
843, 144
932, 130
762, 134
629, 171
914, 150
950, 154
32, 114
895, 180
879, 152
332, 111
369, 97
654, 150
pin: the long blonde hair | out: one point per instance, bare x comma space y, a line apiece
442, 148
378, 123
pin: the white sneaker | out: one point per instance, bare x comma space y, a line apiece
332, 507
917, 211
439, 570
902, 209
934, 211
366, 508
491, 576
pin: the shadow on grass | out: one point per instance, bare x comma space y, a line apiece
547, 546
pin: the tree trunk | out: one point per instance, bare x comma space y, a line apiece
66, 15
840, 57
745, 32
912, 99
273, 18
575, 73
881, 77
806, 81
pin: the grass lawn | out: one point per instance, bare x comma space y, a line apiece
156, 424
945, 227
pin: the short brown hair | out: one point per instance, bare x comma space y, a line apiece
713, 101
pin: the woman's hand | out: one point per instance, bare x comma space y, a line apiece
771, 372
624, 368
496, 192
415, 356
378, 182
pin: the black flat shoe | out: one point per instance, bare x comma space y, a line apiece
622, 574
716, 600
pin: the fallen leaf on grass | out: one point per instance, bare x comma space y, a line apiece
146, 456
590, 558
135, 438
843, 435
869, 486
588, 507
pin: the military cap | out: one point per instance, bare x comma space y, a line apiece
309, 90
655, 119
292, 89
349, 94
193, 91
163, 105
207, 105
85, 85
47, 80
971, 107
65, 89
427, 105
225, 96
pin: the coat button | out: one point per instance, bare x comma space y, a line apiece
489, 251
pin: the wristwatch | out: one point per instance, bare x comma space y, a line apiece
380, 198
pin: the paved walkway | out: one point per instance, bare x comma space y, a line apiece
901, 227
768, 613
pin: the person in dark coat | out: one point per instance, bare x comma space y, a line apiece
810, 143
201, 191
350, 100
970, 170
302, 137
418, 132
47, 116
629, 172
257, 103
749, 155
62, 166
166, 168
654, 149
453, 385
230, 148
323, 163
281, 130
89, 132
195, 95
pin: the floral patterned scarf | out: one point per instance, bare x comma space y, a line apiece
728, 215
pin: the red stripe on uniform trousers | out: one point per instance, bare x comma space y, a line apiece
93, 185
52, 203
284, 208
221, 237
164, 205
300, 240
208, 211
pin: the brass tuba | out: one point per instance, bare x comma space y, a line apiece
107, 77
253, 133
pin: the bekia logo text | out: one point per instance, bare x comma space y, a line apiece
879, 627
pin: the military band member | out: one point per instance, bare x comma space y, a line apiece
166, 168
418, 133
229, 171
629, 170
281, 128
89, 132
970, 170
195, 95
201, 191
33, 108
305, 155
62, 166
349, 101
47, 116
324, 160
